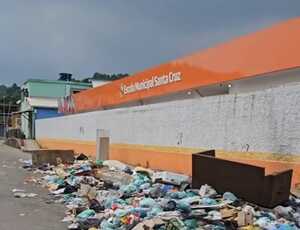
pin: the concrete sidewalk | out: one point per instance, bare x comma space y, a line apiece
24, 213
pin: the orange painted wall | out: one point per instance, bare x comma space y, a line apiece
86, 147
177, 159
273, 49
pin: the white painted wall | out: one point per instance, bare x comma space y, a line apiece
97, 83
211, 90
266, 121
261, 82
24, 118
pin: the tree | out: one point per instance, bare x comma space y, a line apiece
86, 80
96, 76
65, 77
11, 93
109, 77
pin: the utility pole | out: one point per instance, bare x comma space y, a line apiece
4, 116
8, 116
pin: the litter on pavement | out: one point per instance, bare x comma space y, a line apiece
112, 195
21, 193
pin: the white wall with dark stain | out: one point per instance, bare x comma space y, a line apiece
267, 121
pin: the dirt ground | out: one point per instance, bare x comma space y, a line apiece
24, 213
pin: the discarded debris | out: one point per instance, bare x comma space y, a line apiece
17, 190
21, 193
24, 195
111, 195
171, 178
82, 157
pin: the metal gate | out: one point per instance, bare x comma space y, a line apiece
2, 132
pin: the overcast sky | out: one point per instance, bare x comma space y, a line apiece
41, 38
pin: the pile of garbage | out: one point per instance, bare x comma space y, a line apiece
111, 195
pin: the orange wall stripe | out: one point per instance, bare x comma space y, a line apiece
177, 159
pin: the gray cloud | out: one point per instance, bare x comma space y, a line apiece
39, 39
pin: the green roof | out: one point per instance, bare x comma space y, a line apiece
58, 82
54, 89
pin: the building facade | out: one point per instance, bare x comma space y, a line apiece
240, 98
40, 98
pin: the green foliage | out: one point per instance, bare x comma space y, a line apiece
96, 76
11, 93
67, 77
108, 77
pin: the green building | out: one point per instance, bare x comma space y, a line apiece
39, 100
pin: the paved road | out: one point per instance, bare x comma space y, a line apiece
24, 213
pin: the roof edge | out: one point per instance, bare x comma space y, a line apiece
57, 82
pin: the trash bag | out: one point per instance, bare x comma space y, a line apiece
148, 203
183, 207
89, 223
155, 191
208, 201
99, 163
207, 191
154, 212
176, 224
82, 157
109, 225
177, 195
191, 223
70, 189
96, 206
127, 190
140, 179
168, 205
229, 196
86, 214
